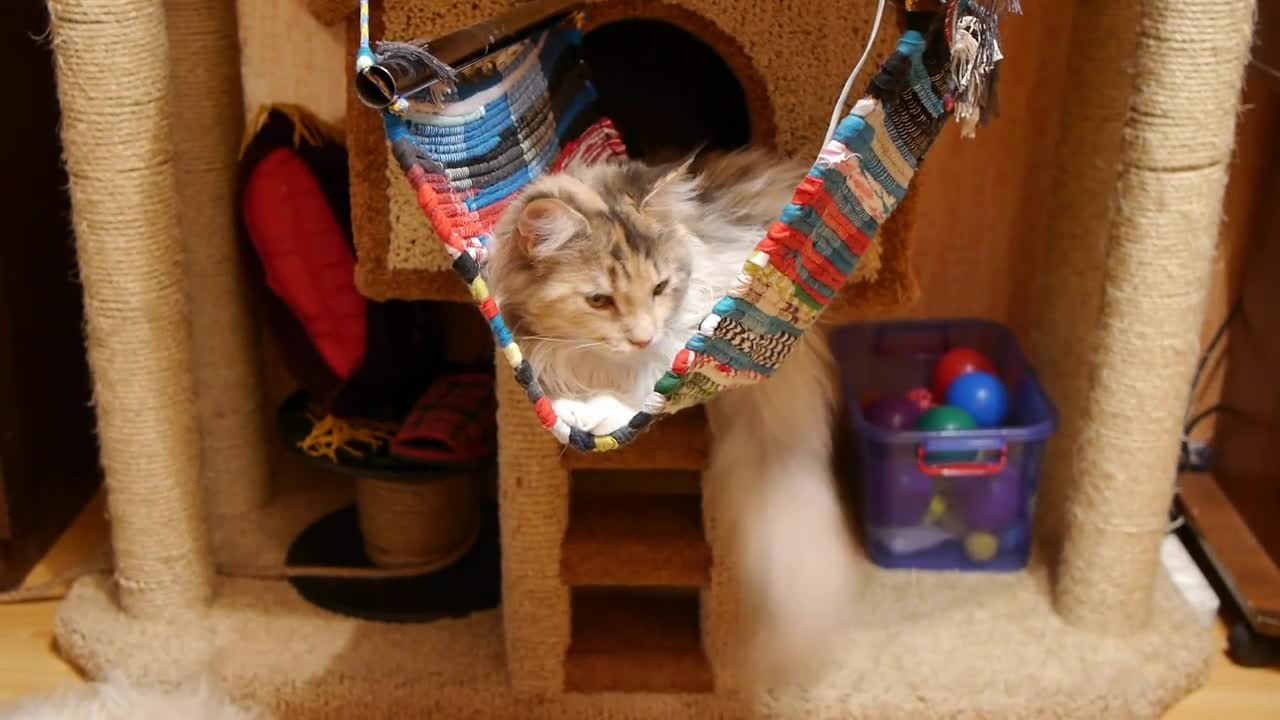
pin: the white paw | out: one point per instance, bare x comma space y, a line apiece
599, 415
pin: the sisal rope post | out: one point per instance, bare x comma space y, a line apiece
208, 121
1178, 136
113, 82
533, 492
1069, 293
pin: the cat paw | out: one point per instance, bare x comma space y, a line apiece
599, 415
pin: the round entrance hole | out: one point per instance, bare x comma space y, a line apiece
670, 91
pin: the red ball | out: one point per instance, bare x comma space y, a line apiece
922, 398
957, 362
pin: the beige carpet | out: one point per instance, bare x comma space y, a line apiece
928, 646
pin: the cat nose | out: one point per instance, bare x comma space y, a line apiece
641, 343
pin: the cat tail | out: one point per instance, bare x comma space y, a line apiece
777, 498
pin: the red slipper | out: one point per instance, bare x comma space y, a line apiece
453, 423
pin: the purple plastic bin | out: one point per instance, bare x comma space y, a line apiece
958, 500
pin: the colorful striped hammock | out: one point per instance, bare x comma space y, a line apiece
469, 145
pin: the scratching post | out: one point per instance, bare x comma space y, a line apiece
1178, 137
533, 491
113, 82
208, 121
1100, 62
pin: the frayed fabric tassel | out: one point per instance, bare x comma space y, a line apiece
964, 57
975, 55
415, 53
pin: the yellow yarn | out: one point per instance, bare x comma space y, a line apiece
331, 434
307, 128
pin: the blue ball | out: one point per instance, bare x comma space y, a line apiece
982, 396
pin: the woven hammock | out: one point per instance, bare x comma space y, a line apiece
470, 143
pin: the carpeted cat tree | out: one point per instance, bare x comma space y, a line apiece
617, 603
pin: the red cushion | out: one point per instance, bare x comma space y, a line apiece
305, 257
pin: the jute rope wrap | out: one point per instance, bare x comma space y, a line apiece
113, 82
1178, 136
208, 120
533, 492
1069, 296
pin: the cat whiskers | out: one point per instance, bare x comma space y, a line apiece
576, 344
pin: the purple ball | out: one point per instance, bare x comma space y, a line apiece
987, 503
893, 413
897, 495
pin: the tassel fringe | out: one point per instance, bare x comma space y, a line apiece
973, 31
415, 54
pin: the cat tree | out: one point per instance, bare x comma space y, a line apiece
151, 125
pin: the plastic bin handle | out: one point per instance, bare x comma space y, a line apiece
964, 468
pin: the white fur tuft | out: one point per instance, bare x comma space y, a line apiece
116, 699
780, 498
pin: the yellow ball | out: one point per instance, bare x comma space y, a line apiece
981, 546
937, 508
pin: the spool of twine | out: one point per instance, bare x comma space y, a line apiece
113, 83
208, 119
1178, 136
409, 528
426, 525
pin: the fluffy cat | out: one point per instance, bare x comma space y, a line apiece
115, 698
604, 272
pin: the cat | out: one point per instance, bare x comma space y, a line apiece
603, 273
116, 698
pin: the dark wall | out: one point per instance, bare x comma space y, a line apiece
666, 90
48, 453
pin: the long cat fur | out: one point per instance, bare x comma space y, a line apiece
770, 473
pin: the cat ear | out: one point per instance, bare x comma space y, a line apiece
546, 224
677, 173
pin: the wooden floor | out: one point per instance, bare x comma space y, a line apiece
28, 664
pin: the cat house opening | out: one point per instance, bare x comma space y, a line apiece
672, 84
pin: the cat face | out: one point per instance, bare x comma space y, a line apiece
595, 259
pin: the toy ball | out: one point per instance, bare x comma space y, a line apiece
898, 495
945, 417
953, 364
981, 547
942, 418
921, 397
937, 510
987, 503
893, 413
982, 396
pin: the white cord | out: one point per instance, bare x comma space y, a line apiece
838, 113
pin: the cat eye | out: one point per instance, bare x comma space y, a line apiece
661, 287
600, 301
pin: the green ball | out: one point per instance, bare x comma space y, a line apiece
946, 417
